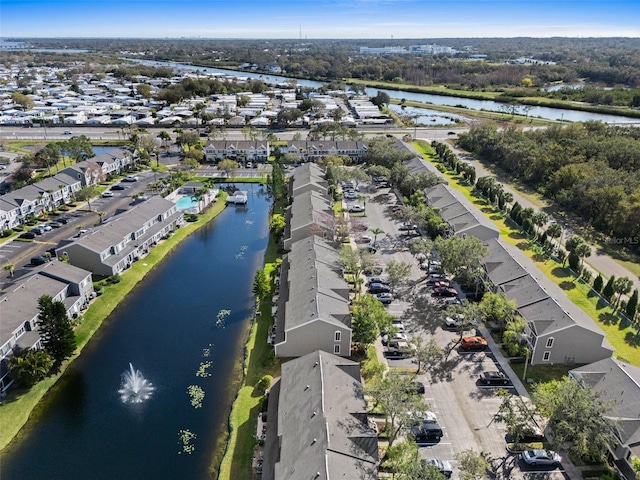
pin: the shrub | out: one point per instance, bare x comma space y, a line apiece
574, 262
264, 383
18, 228
7, 233
598, 283
586, 275
113, 279
191, 217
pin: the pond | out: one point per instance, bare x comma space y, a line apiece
194, 308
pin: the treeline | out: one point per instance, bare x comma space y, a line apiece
591, 169
204, 87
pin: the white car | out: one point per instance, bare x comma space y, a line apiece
130, 178
107, 194
47, 228
541, 457
356, 209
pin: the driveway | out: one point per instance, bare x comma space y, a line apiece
464, 410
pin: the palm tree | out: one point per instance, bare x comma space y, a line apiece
554, 231
376, 231
583, 250
622, 286
539, 219
101, 215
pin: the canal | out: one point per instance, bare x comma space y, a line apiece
194, 308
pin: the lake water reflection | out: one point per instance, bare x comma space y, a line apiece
168, 328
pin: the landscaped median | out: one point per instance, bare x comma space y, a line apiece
16, 408
619, 335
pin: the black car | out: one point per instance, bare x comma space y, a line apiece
379, 288
416, 388
27, 235
494, 379
39, 260
118, 187
427, 433
63, 220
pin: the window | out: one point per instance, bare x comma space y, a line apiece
336, 349
549, 342
546, 356
337, 336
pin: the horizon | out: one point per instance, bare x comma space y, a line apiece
318, 20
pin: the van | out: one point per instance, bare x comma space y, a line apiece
399, 348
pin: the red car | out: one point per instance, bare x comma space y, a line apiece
445, 292
473, 343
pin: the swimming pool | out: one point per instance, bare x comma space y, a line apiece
186, 202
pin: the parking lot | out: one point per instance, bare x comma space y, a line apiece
465, 410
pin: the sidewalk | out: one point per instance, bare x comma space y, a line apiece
570, 469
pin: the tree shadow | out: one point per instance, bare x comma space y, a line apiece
539, 257
566, 285
609, 318
632, 339
495, 217
560, 272
524, 245
486, 210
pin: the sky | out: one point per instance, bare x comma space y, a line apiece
317, 19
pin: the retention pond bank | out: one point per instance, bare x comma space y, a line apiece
183, 328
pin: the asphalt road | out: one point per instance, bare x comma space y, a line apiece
19, 253
465, 411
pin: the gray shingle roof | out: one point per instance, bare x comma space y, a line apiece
322, 426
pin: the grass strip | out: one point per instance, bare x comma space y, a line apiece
618, 331
259, 361
20, 403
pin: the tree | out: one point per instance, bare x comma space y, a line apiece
264, 383
381, 99
427, 354
577, 417
24, 101
423, 246
539, 219
393, 398
622, 286
227, 166
598, 282
516, 413
472, 465
497, 310
355, 261
55, 329
260, 285
398, 274
608, 290
513, 338
554, 231
31, 366
460, 255
368, 319
144, 90
632, 305
376, 231
404, 461
277, 224
572, 244
86, 194
276, 181
582, 251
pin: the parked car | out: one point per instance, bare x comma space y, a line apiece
356, 209
118, 187
366, 239
394, 337
397, 348
443, 465
455, 321
381, 280
39, 260
405, 227
450, 302
427, 433
442, 284
494, 378
107, 194
541, 457
46, 227
436, 277
445, 292
379, 288
249, 165
64, 220
27, 235
374, 270
130, 178
531, 433
473, 343
37, 230
369, 249
416, 388
55, 224
418, 418
385, 298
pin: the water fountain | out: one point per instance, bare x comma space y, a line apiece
135, 388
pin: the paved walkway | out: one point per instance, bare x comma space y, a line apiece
598, 261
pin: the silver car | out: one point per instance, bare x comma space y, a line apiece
541, 457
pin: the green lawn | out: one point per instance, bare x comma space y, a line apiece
620, 334
541, 373
16, 408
